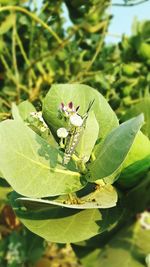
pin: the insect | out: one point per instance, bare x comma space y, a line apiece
75, 134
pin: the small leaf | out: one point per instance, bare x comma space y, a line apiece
25, 108
115, 149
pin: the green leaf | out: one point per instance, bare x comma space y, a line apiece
81, 95
115, 148
31, 166
102, 198
7, 24
138, 161
142, 106
65, 225
89, 138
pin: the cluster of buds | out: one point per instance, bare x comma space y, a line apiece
38, 116
69, 113
68, 110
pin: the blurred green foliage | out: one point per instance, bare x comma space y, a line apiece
38, 47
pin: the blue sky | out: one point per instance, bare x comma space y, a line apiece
123, 18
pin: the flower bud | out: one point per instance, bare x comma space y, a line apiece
76, 120
62, 133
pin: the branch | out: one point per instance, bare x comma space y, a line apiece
130, 5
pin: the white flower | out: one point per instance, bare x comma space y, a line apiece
62, 133
76, 120
145, 220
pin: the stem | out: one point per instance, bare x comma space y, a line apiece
14, 57
34, 17
62, 143
93, 157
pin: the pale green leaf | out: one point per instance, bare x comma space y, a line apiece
102, 198
115, 149
31, 166
25, 108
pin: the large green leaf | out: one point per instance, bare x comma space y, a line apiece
65, 225
102, 198
81, 95
89, 138
31, 166
115, 148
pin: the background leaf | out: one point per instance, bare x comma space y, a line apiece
7, 24
137, 162
128, 247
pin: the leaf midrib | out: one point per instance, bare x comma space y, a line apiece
49, 168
